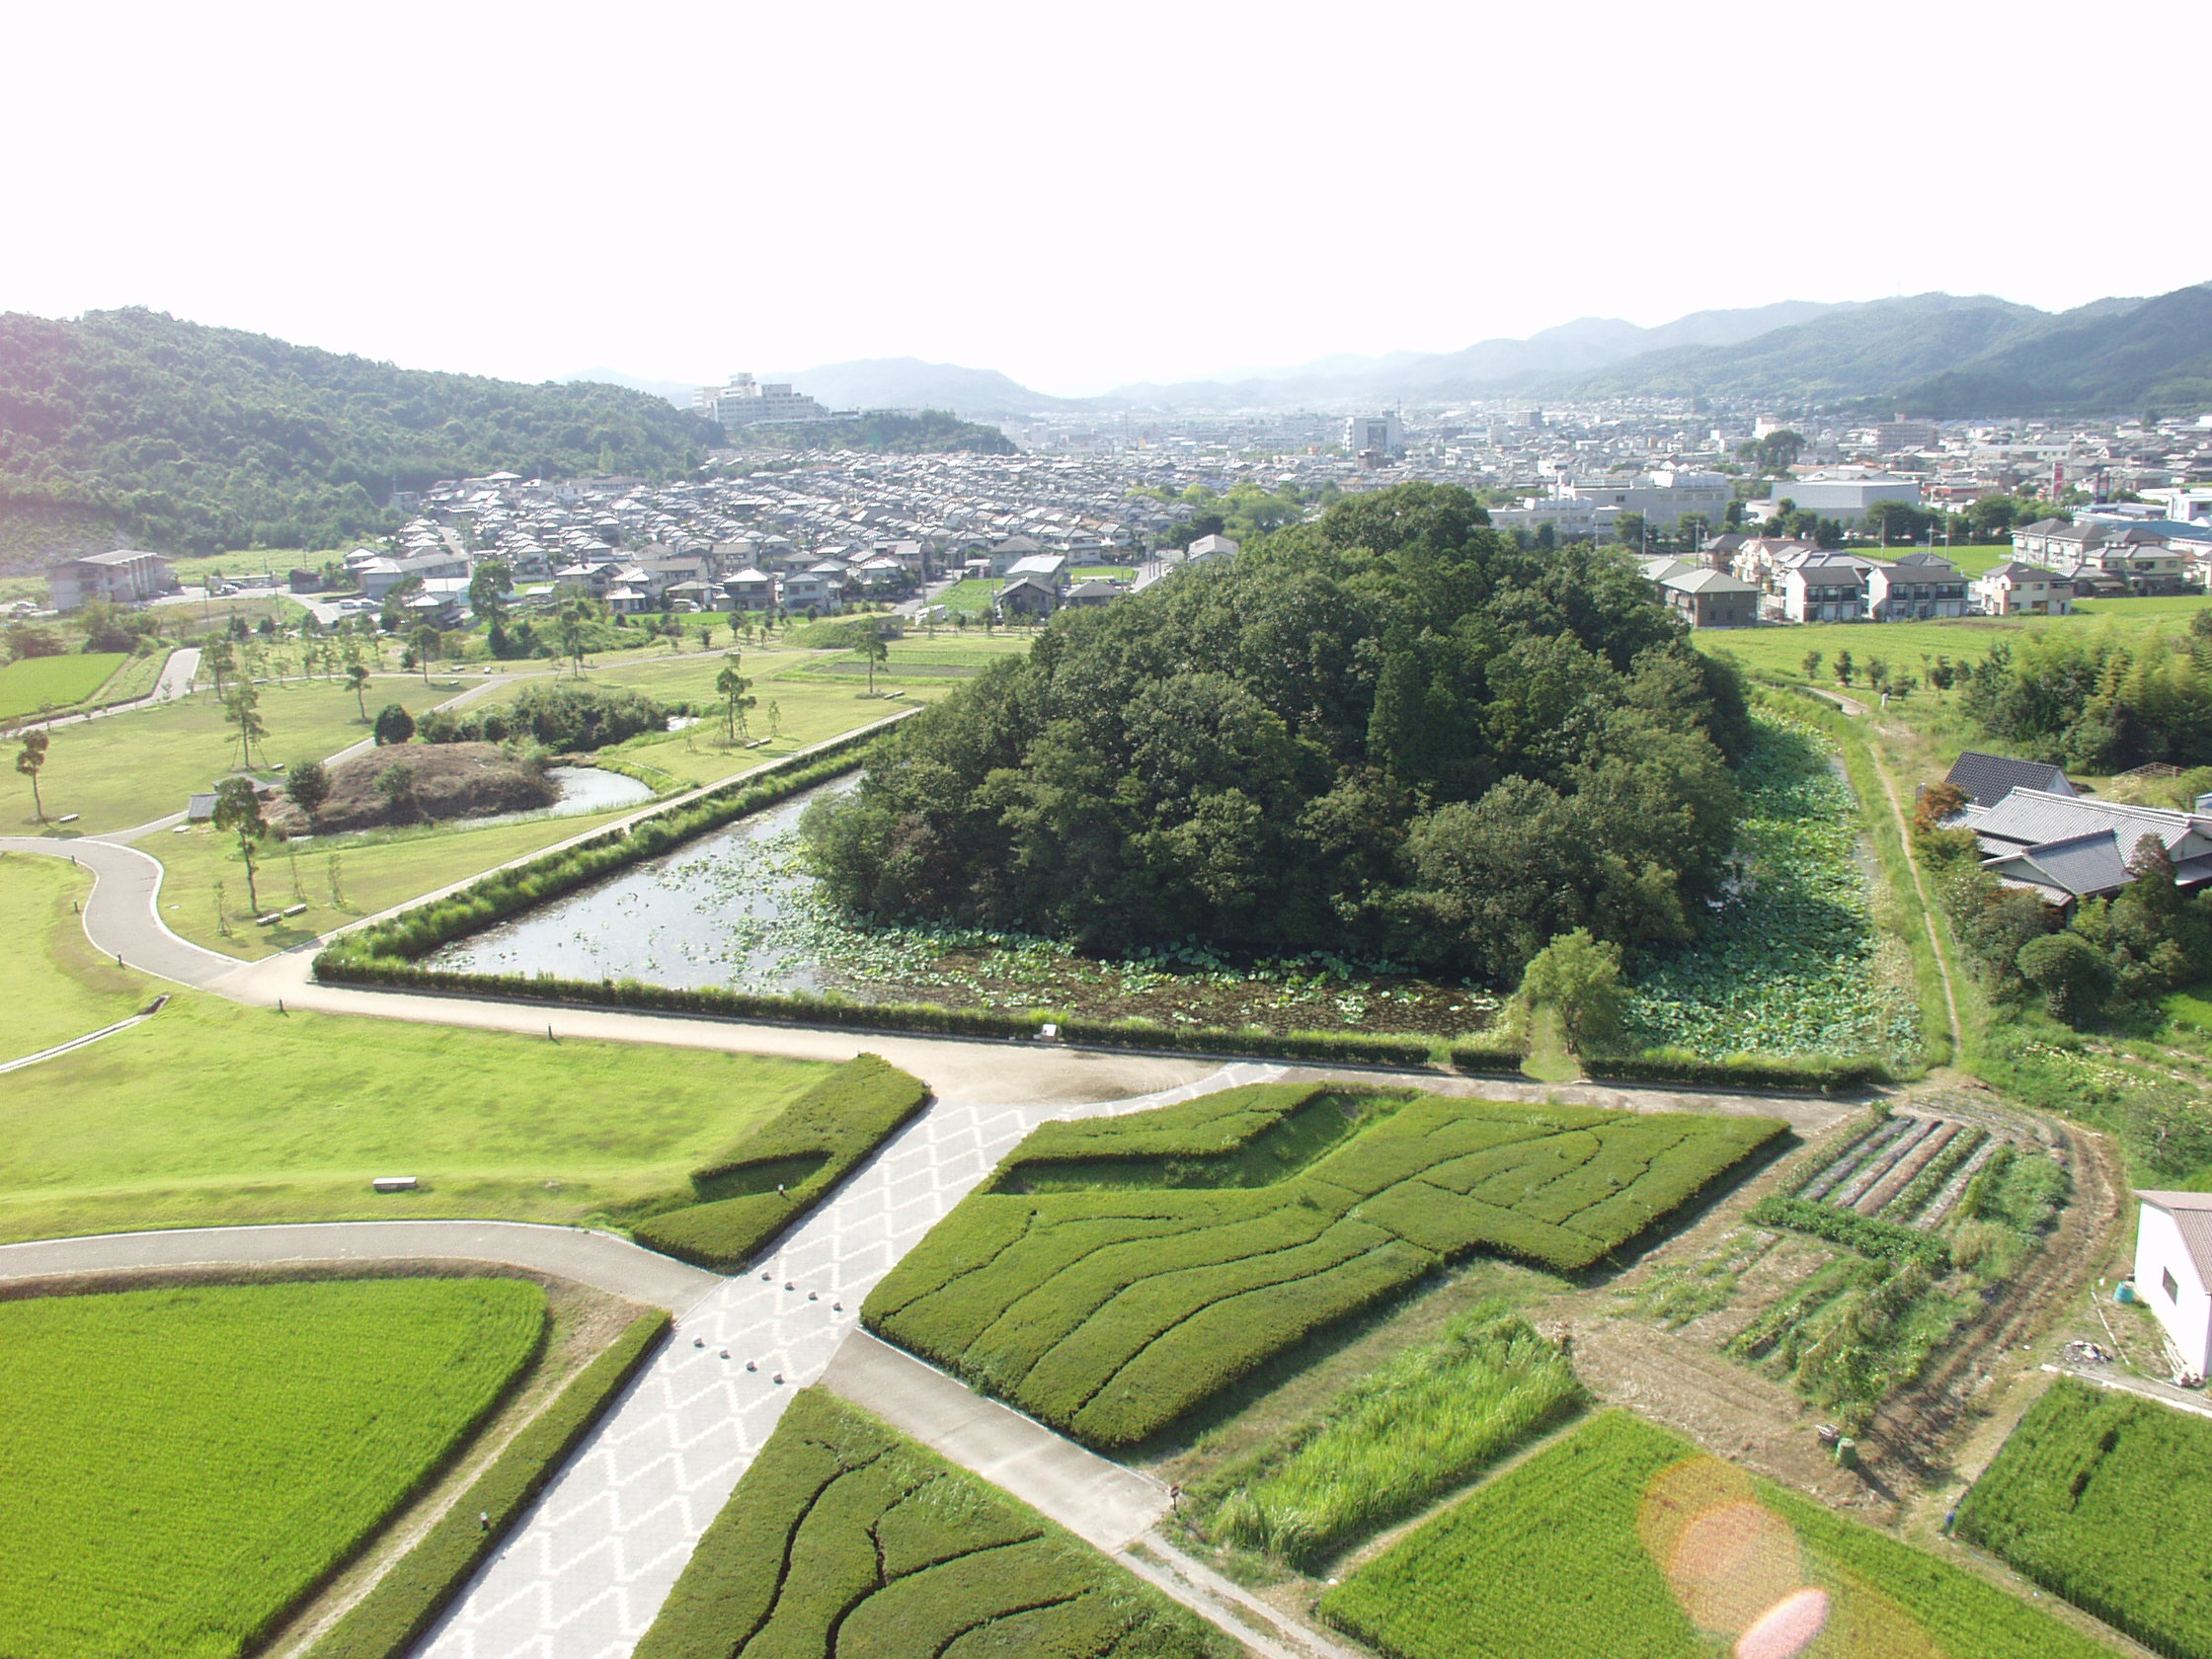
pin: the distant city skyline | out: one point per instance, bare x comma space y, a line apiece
1077, 203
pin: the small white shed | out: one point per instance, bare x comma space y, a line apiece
2174, 1269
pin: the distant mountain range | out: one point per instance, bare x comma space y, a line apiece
1928, 353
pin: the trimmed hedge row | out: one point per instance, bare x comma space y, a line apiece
1864, 1233
414, 1589
1109, 1313
808, 1148
1478, 1057
1823, 1074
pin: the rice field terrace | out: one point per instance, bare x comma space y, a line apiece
226, 1447
846, 1539
1792, 963
1917, 1221
2101, 1497
1625, 1541
32, 683
1431, 1419
1115, 1273
740, 909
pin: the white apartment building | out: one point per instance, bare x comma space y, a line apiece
747, 402
1382, 433
1664, 498
1846, 499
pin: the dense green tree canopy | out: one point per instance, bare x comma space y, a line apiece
933, 431
204, 439
1387, 732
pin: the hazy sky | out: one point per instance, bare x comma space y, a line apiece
1078, 195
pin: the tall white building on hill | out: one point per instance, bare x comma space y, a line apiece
745, 402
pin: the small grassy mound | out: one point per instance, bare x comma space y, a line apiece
179, 1467
1112, 1308
1625, 1541
440, 782
2101, 1497
778, 1172
845, 1538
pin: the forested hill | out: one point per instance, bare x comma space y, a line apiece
933, 431
1386, 734
203, 439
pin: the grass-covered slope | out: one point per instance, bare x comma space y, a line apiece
777, 1172
845, 1539
204, 439
1625, 1541
2101, 1498
1116, 1273
178, 1466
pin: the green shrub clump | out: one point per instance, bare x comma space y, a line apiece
778, 1171
1567, 1556
413, 1590
560, 715
1866, 1235
1111, 1309
845, 1536
2099, 1497
1825, 1073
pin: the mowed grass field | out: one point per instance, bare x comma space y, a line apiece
178, 1466
846, 1538
131, 768
1116, 1273
212, 1112
2099, 1497
1780, 650
37, 682
1625, 1541
55, 986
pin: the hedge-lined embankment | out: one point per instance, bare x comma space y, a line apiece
778, 1172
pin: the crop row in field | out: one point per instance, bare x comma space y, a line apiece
1431, 1419
2101, 1497
1111, 1310
846, 1539
1792, 963
1625, 1541
777, 1172
177, 1468
1867, 1323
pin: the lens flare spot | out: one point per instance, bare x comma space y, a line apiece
1787, 1629
1731, 1563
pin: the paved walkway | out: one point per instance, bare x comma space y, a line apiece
75, 1042
1098, 1501
598, 1259
584, 1575
121, 917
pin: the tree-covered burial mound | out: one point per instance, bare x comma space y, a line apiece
1388, 734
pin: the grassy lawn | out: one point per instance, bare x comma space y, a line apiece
40, 682
1103, 573
1118, 1272
376, 870
130, 768
971, 594
807, 709
214, 1113
179, 1465
55, 983
845, 1536
1625, 1541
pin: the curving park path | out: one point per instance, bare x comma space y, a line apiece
122, 917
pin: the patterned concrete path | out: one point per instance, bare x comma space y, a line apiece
586, 1571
